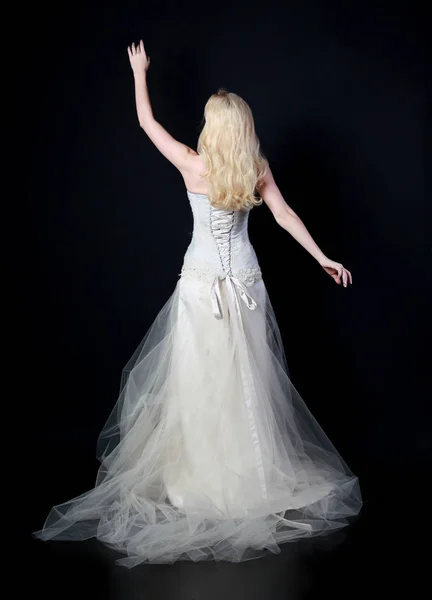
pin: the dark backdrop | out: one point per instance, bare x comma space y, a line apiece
338, 99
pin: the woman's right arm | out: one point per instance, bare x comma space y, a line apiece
291, 222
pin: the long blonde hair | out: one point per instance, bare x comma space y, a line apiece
230, 147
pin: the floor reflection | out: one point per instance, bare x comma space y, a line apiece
286, 576
308, 568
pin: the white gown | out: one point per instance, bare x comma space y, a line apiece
210, 452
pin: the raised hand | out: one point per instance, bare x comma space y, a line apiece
337, 271
139, 60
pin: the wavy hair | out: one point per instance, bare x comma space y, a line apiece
231, 151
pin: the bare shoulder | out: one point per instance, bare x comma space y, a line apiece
272, 196
195, 160
267, 181
193, 171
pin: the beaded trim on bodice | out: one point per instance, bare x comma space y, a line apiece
204, 273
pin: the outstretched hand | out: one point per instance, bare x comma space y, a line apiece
139, 60
337, 271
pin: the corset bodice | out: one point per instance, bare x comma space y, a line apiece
220, 241
220, 250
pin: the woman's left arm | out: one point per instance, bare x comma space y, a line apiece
176, 152
291, 222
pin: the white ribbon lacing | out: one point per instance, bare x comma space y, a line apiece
221, 224
233, 284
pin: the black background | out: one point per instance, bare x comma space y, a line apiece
337, 92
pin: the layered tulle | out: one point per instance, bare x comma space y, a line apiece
210, 452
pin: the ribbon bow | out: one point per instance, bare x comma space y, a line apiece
232, 283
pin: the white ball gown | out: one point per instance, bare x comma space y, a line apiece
210, 452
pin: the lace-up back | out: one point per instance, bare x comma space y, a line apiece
220, 244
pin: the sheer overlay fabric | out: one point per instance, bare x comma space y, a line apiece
210, 452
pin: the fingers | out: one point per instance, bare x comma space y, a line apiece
345, 275
344, 278
338, 272
138, 49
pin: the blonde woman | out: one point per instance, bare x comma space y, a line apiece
210, 452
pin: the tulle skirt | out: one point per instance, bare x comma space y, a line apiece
209, 452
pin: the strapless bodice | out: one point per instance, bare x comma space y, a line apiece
220, 243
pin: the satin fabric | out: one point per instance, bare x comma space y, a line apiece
210, 452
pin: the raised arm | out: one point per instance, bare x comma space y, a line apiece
176, 152
291, 222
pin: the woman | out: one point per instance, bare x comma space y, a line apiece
210, 452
